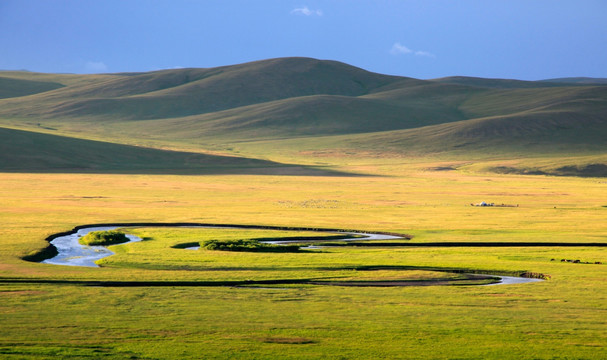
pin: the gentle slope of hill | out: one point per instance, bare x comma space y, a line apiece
10, 87
291, 98
493, 83
24, 151
182, 92
579, 80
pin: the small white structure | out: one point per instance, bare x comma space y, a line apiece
482, 203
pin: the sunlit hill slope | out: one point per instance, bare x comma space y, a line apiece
293, 98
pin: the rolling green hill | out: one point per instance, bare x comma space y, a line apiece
293, 98
182, 92
10, 87
495, 83
25, 151
579, 80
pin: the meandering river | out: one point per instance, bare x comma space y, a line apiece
72, 253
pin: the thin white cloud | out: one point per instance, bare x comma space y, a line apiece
95, 67
424, 53
306, 11
399, 48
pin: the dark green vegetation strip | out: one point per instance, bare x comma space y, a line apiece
323, 238
588, 170
466, 279
186, 245
471, 280
250, 245
282, 244
464, 244
46, 253
109, 237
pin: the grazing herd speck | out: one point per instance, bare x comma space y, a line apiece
577, 261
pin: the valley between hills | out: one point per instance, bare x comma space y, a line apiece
266, 114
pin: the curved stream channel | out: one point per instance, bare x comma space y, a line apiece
71, 253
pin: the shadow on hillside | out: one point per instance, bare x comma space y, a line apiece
589, 170
29, 152
276, 170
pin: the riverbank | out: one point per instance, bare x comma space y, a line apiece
71, 252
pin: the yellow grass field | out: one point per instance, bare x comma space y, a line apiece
417, 198
431, 205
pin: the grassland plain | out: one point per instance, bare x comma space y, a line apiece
118, 148
559, 318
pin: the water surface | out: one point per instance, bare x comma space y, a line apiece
72, 253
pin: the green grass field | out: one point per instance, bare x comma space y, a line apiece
563, 315
364, 151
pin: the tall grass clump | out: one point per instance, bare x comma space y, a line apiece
109, 237
250, 245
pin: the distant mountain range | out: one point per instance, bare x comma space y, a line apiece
291, 98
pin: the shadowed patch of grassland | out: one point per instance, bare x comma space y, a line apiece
26, 151
18, 87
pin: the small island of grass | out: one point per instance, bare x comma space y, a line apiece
251, 245
109, 237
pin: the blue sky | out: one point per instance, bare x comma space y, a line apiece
522, 39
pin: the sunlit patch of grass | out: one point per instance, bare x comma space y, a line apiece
402, 275
225, 322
